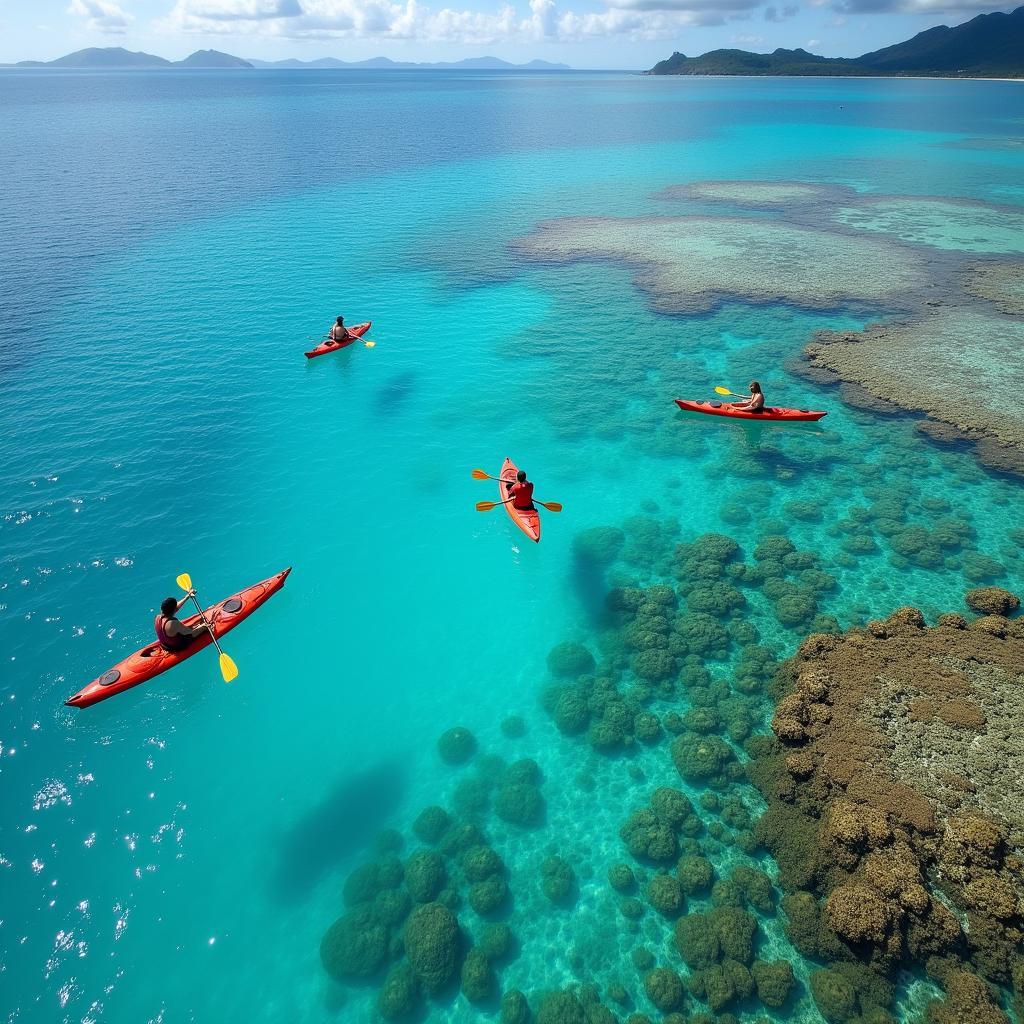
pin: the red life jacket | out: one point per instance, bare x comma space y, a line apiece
168, 642
522, 495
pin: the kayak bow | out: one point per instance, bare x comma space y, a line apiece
354, 334
527, 521
770, 412
152, 659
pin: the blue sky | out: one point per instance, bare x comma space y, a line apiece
582, 33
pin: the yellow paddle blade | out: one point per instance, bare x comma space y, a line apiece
723, 391
370, 344
551, 506
184, 581
485, 506
479, 474
228, 669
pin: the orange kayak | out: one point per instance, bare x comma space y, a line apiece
151, 660
527, 521
354, 334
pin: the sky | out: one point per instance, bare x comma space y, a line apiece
617, 34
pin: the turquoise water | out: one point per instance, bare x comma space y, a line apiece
176, 854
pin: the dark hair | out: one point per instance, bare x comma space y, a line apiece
169, 605
521, 475
341, 319
755, 387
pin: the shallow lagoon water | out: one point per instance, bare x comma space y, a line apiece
175, 854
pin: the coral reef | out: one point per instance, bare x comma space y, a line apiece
664, 988
570, 659
432, 943
949, 365
431, 824
399, 996
1000, 283
456, 746
355, 946
558, 881
692, 264
896, 839
424, 875
514, 1008
761, 195
992, 601
895, 832
959, 226
477, 976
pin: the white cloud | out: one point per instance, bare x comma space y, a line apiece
697, 12
245, 10
102, 15
409, 19
379, 19
965, 8
543, 19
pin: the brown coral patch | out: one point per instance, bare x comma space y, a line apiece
901, 811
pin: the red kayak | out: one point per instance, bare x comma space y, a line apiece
354, 334
527, 521
153, 659
770, 412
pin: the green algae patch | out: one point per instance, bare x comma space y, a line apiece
694, 264
940, 223
951, 365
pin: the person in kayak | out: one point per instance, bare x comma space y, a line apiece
520, 491
173, 634
338, 332
756, 401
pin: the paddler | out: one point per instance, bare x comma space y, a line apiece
756, 401
338, 332
520, 491
173, 634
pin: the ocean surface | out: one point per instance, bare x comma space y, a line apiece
170, 241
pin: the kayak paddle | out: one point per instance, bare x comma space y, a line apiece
479, 474
486, 506
228, 669
726, 391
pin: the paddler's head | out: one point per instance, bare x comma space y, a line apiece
169, 606
755, 388
341, 321
521, 476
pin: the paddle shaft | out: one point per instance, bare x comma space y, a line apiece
543, 504
202, 616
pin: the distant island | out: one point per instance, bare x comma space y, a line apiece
116, 58
988, 46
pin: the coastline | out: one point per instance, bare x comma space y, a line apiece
910, 78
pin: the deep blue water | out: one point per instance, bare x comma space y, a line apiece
170, 240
